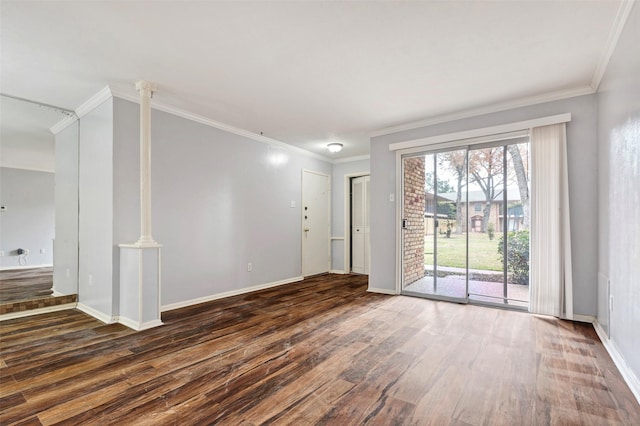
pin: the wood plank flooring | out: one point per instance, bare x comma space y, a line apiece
321, 351
25, 284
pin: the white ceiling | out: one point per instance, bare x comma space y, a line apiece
307, 73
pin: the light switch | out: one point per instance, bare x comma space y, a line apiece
293, 204
392, 198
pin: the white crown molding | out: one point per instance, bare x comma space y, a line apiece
63, 124
503, 106
612, 41
94, 101
351, 159
220, 126
85, 108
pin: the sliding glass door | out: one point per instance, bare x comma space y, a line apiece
434, 240
465, 224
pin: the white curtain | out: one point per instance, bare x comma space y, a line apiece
551, 288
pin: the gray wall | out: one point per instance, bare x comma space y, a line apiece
619, 193
582, 152
338, 208
65, 271
96, 289
219, 201
28, 222
126, 181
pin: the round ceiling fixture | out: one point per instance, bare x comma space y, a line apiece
334, 147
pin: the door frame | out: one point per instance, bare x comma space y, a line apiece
302, 198
435, 149
347, 219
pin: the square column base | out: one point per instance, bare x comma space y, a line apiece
140, 286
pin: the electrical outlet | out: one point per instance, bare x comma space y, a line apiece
26, 252
249, 267
43, 251
68, 272
1, 253
90, 279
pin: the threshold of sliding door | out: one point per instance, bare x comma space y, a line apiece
500, 302
435, 297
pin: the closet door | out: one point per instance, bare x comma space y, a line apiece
360, 225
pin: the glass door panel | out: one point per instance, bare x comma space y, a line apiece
498, 184
486, 198
450, 242
517, 224
434, 219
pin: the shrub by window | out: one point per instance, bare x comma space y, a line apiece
517, 255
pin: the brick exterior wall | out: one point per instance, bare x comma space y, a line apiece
414, 199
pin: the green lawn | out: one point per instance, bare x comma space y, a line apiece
483, 252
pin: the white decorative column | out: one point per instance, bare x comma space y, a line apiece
140, 261
146, 91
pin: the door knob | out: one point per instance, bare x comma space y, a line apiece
306, 229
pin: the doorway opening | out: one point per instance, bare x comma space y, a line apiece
465, 224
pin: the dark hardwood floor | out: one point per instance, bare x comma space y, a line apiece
25, 290
321, 351
25, 284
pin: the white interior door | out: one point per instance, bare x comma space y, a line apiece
360, 225
315, 223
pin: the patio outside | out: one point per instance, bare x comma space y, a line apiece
485, 269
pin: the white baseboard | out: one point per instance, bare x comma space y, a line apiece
10, 268
381, 291
101, 316
138, 326
217, 296
38, 311
627, 374
337, 271
584, 318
